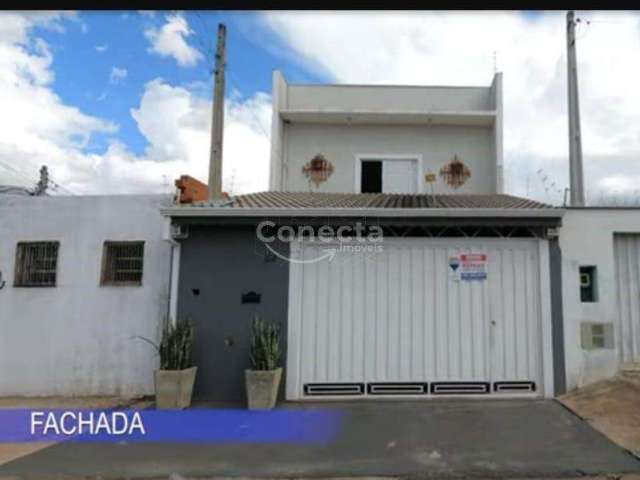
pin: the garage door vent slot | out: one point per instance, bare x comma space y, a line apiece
514, 387
331, 389
460, 388
398, 388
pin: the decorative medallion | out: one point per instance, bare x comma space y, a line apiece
455, 173
318, 169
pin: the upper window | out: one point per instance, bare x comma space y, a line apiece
588, 284
36, 264
122, 263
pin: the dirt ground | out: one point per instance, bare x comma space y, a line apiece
11, 451
612, 407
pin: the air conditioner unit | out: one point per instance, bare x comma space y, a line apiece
179, 232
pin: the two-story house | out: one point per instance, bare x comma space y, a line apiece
385, 138
385, 248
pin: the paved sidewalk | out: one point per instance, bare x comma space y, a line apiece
422, 439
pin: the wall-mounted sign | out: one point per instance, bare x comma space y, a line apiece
250, 297
473, 266
468, 266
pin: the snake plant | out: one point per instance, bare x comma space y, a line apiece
176, 345
264, 345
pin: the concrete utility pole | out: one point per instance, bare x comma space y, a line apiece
43, 183
217, 123
575, 138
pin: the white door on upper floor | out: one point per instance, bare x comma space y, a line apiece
399, 176
387, 175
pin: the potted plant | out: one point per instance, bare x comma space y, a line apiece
177, 374
263, 377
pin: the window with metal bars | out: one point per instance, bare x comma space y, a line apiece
36, 264
122, 263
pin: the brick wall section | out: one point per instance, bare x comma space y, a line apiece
191, 190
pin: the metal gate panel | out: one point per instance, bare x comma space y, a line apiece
398, 318
627, 253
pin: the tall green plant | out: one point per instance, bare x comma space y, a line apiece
264, 345
176, 345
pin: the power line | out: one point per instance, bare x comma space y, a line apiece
16, 171
60, 187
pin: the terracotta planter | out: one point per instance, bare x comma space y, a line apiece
262, 388
174, 388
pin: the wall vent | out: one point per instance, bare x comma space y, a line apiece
332, 389
596, 335
460, 388
398, 388
514, 387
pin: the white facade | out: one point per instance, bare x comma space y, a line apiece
348, 123
76, 338
400, 322
588, 238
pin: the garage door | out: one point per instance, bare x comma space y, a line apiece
408, 321
627, 251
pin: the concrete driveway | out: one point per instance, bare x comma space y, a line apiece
452, 438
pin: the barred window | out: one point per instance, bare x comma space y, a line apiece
36, 264
122, 263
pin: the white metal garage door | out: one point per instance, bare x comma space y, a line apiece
627, 251
401, 322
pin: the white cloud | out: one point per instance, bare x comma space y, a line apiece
177, 125
37, 128
458, 49
101, 48
117, 74
170, 41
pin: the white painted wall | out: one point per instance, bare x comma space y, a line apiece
342, 121
386, 98
436, 145
76, 338
586, 238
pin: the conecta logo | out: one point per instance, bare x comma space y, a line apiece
355, 238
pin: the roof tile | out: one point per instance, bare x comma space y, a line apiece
302, 200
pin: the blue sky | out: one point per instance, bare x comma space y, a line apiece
120, 102
96, 42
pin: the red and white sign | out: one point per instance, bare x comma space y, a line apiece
473, 266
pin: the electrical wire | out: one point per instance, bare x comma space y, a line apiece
16, 171
60, 187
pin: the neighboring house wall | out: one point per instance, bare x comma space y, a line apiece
218, 265
342, 122
587, 239
77, 338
